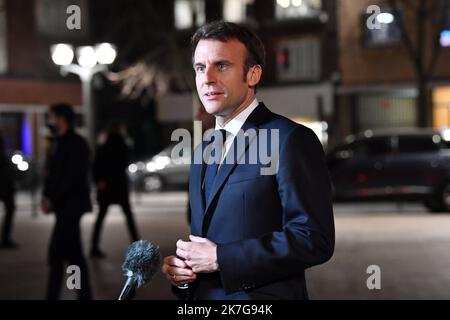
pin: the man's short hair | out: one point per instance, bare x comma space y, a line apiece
64, 110
224, 31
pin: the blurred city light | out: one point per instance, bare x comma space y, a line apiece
189, 13
86, 56
27, 136
132, 168
368, 133
297, 3
162, 161
62, 54
385, 17
16, 159
105, 53
23, 166
446, 134
436, 138
140, 165
158, 163
151, 166
284, 3
445, 38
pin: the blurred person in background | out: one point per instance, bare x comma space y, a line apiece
66, 193
7, 197
110, 165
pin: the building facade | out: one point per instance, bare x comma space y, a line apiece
378, 80
301, 62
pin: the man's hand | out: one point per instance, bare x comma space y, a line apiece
177, 271
46, 206
200, 254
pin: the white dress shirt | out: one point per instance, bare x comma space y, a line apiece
234, 125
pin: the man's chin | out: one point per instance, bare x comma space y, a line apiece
214, 110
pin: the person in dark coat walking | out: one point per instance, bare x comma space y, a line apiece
110, 164
67, 194
7, 197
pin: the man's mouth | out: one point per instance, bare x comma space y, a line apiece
211, 95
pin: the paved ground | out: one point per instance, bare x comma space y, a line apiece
411, 247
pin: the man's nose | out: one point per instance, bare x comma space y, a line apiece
210, 76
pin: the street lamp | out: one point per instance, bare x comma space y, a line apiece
385, 17
91, 59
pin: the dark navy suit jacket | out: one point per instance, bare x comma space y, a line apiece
268, 228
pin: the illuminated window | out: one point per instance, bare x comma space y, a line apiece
236, 10
189, 13
445, 38
299, 60
289, 9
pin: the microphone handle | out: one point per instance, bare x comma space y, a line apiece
129, 289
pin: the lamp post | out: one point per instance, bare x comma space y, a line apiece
91, 59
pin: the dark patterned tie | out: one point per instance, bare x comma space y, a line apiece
211, 169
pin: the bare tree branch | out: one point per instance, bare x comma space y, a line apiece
441, 11
421, 19
394, 4
153, 59
413, 4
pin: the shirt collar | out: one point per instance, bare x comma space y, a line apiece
234, 125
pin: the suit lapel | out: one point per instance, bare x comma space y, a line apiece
226, 168
255, 118
197, 176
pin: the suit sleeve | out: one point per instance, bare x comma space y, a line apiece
307, 237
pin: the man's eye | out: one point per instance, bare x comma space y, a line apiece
222, 66
199, 69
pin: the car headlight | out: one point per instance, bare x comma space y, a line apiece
158, 163
140, 165
151, 166
132, 168
162, 162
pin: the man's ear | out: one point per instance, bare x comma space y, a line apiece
254, 75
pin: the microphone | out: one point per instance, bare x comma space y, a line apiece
142, 261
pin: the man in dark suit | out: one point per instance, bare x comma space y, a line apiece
254, 228
66, 193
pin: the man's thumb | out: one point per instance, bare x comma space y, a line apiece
196, 239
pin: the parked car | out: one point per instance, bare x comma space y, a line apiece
405, 165
161, 171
